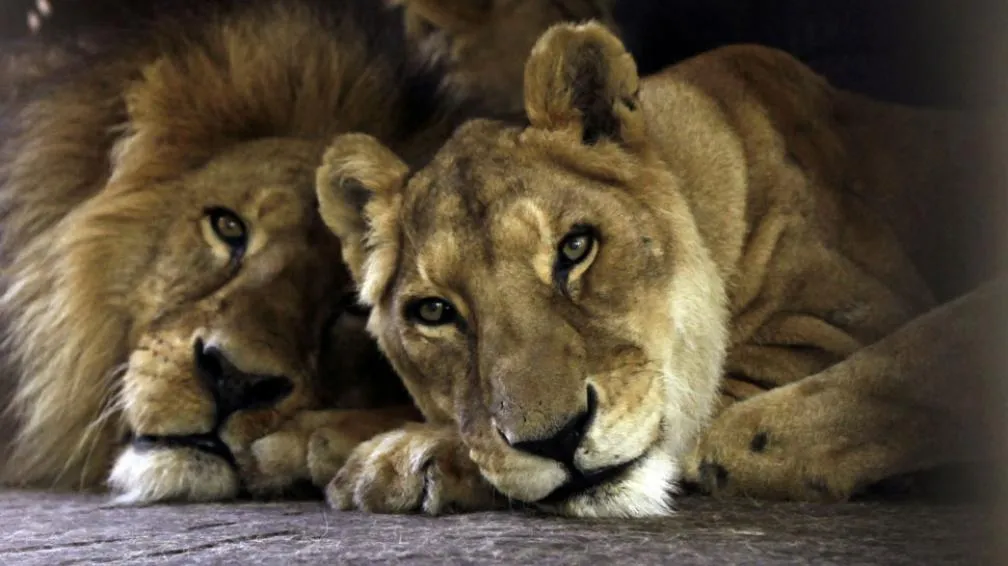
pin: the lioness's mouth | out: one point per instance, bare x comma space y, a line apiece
582, 483
208, 443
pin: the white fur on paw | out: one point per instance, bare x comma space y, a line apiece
180, 474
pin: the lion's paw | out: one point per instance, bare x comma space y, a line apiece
420, 468
307, 450
274, 465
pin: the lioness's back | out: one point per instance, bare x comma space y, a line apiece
914, 169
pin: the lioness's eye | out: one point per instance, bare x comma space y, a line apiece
575, 247
228, 227
431, 311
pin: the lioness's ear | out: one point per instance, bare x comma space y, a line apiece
581, 76
452, 16
358, 186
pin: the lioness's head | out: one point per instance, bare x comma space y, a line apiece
544, 288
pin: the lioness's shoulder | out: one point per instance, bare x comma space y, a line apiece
772, 78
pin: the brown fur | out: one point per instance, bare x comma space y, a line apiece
112, 272
756, 229
23, 65
485, 42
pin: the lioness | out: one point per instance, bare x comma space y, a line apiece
730, 272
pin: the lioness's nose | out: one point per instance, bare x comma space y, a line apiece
236, 390
561, 445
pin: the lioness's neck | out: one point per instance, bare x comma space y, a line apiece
706, 154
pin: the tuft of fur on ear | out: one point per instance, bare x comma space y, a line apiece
359, 189
581, 76
452, 16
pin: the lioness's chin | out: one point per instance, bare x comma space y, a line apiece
151, 475
645, 489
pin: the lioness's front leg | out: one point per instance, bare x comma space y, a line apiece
312, 446
929, 394
419, 468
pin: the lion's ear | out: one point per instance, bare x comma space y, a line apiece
359, 185
452, 16
581, 76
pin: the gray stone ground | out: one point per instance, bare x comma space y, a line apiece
47, 529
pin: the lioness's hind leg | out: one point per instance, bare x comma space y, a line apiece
930, 394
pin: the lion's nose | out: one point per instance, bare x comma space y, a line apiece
236, 390
562, 445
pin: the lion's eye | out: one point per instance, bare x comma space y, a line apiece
431, 311
575, 247
228, 227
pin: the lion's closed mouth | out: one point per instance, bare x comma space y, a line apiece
209, 443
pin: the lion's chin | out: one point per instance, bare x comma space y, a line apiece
150, 475
643, 489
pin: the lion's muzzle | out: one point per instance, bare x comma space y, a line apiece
232, 388
189, 454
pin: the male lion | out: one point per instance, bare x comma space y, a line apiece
485, 42
166, 278
731, 272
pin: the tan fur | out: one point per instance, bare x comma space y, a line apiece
485, 42
112, 273
757, 229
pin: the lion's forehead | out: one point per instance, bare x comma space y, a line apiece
270, 180
276, 161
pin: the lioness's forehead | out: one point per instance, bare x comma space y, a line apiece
473, 205
472, 176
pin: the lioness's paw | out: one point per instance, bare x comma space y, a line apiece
797, 443
420, 468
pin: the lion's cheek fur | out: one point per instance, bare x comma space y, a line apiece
160, 394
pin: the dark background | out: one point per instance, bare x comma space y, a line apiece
937, 52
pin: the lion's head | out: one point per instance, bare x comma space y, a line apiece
486, 42
544, 288
166, 277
